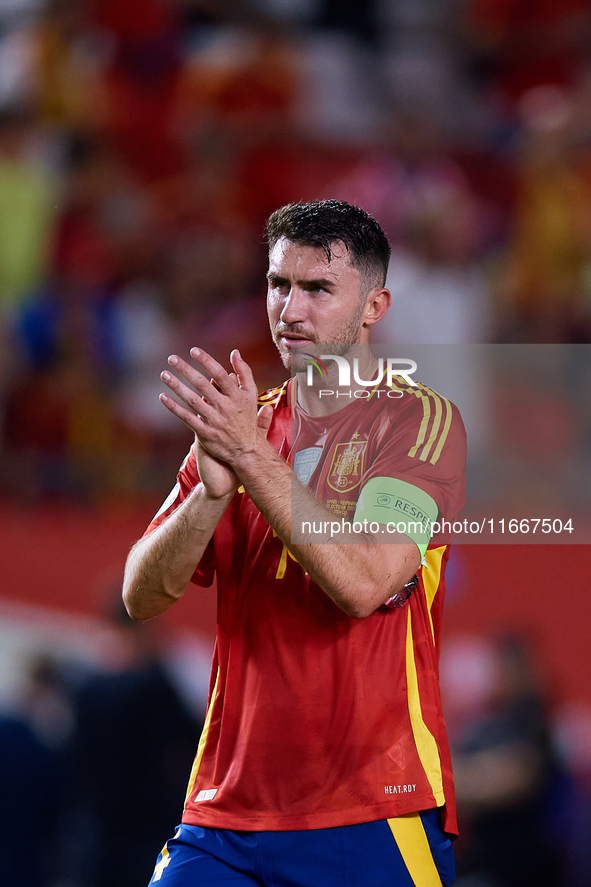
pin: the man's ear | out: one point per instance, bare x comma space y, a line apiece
377, 303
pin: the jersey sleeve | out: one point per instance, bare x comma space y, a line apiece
425, 448
187, 480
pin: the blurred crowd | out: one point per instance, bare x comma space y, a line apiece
143, 144
521, 766
94, 762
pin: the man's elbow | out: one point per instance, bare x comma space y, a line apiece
144, 604
359, 611
133, 611
361, 603
136, 609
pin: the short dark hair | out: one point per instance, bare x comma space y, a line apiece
326, 222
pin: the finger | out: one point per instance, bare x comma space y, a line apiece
215, 369
190, 418
206, 387
264, 418
198, 405
234, 379
243, 371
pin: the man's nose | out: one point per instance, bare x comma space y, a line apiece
294, 307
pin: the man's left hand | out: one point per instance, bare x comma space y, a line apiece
222, 410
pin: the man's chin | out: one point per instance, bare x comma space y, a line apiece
285, 357
297, 364
292, 360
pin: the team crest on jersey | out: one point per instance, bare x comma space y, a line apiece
346, 468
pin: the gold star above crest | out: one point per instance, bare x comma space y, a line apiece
355, 436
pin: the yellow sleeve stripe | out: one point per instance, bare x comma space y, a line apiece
426, 394
273, 396
444, 433
424, 423
202, 739
434, 429
377, 384
424, 740
285, 553
409, 834
431, 574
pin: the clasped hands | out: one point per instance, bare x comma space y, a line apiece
222, 413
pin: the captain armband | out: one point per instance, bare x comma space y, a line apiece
401, 506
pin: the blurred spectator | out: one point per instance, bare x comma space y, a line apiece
244, 80
32, 750
27, 209
434, 302
145, 337
142, 148
66, 77
524, 44
505, 766
133, 746
211, 294
59, 434
439, 229
141, 80
572, 730
550, 250
142, 145
540, 459
361, 20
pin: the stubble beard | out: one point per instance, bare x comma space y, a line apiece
340, 343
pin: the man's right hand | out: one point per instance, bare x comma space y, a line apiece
218, 479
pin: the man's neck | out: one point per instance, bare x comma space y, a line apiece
325, 395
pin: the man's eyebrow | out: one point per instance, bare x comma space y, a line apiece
316, 283
320, 283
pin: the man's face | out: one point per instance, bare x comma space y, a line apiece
312, 301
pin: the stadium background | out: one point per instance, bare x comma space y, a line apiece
142, 145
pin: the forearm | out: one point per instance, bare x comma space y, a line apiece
160, 566
357, 573
358, 577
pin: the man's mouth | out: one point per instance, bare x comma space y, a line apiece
293, 340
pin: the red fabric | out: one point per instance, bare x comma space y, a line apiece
517, 14
537, 42
135, 19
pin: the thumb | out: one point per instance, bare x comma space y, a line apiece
264, 417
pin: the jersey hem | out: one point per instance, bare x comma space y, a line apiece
302, 822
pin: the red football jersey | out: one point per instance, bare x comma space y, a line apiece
316, 719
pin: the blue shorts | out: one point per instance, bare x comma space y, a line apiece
409, 851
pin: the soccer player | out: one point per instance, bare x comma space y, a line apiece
323, 759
